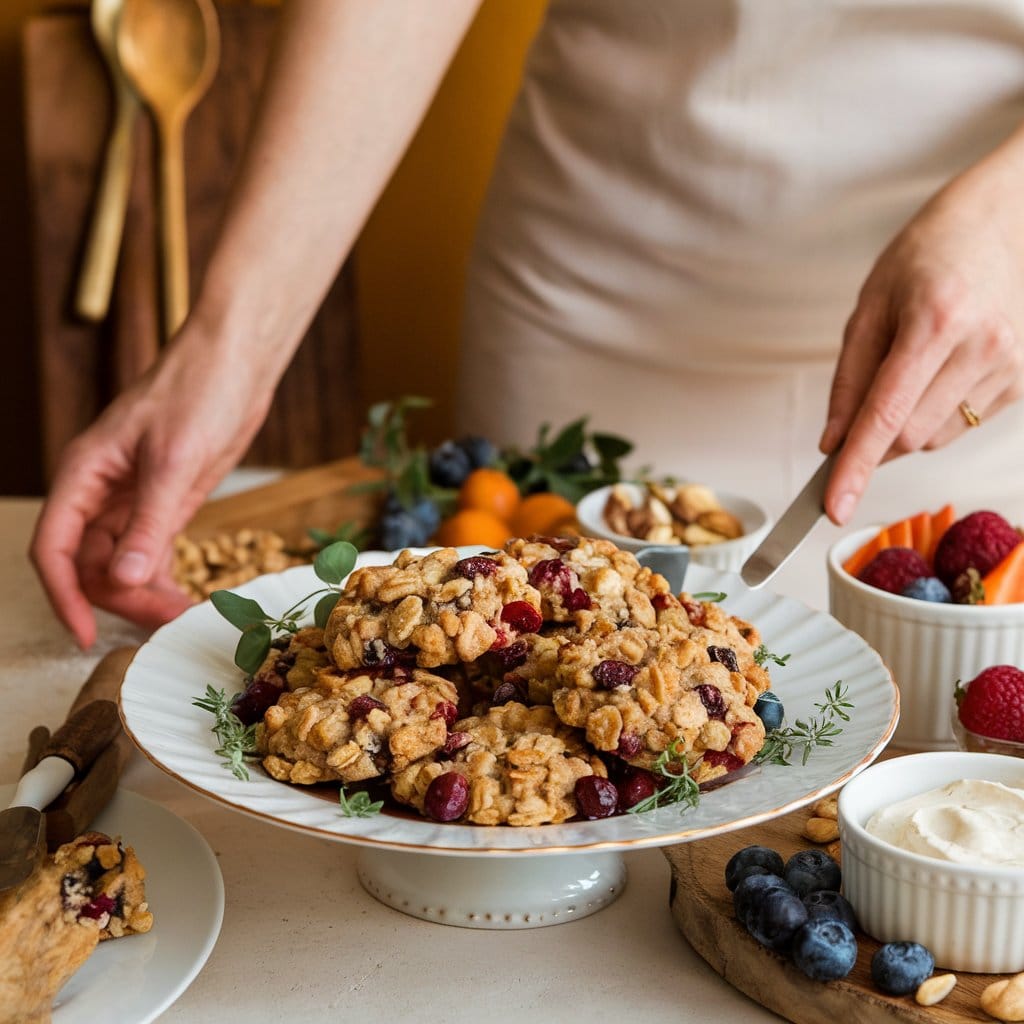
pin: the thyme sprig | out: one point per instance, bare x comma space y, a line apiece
762, 655
680, 787
818, 731
237, 741
259, 629
359, 804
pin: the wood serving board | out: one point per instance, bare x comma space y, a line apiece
702, 907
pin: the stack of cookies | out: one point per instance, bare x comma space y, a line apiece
482, 689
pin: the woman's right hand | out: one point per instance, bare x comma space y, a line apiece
126, 486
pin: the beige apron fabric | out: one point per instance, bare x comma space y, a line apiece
688, 198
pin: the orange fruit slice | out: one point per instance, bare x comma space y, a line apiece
1005, 583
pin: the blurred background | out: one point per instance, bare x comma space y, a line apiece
390, 324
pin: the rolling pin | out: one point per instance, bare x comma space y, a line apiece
74, 810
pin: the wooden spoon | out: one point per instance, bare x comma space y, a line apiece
169, 50
96, 281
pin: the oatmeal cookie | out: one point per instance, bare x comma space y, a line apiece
521, 765
582, 580
431, 610
297, 664
351, 727
635, 694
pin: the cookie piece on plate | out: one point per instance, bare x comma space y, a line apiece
520, 765
352, 727
431, 610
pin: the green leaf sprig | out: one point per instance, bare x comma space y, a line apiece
818, 731
714, 596
259, 629
680, 787
762, 656
572, 463
237, 741
359, 804
349, 531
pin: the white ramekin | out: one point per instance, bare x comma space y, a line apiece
970, 917
928, 647
728, 556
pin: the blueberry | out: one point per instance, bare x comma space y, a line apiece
770, 709
899, 967
810, 870
579, 464
928, 588
426, 512
449, 465
480, 451
743, 863
751, 891
776, 918
829, 905
824, 949
401, 530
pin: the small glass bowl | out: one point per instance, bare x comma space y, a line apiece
978, 744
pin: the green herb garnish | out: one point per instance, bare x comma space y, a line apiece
763, 655
347, 531
715, 596
359, 805
237, 741
819, 731
259, 629
680, 787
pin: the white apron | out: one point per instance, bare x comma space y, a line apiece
688, 198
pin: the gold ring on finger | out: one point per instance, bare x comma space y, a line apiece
970, 414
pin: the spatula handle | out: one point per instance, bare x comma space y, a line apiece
84, 735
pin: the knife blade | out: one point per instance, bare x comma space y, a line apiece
791, 529
72, 748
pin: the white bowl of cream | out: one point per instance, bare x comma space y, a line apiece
933, 852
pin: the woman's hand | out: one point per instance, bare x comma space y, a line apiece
939, 322
127, 485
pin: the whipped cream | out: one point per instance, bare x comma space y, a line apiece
967, 822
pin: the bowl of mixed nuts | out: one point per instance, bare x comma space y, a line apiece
720, 529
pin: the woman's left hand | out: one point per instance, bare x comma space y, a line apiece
938, 330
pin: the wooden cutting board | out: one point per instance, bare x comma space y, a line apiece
702, 907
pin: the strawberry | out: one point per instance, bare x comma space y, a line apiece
979, 541
894, 569
993, 703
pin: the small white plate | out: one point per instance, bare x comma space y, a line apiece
132, 980
196, 649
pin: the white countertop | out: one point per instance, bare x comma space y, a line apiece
301, 940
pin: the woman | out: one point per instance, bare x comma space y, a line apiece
689, 196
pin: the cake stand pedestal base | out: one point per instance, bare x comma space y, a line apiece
493, 892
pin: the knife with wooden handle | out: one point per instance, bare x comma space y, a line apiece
71, 750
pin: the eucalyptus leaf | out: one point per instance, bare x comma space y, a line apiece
253, 646
241, 612
610, 446
324, 607
335, 562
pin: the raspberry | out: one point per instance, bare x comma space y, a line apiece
993, 704
978, 541
894, 569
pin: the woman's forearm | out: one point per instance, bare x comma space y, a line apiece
347, 86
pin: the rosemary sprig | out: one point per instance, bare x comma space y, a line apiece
680, 788
818, 731
359, 804
259, 629
762, 655
237, 741
714, 596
